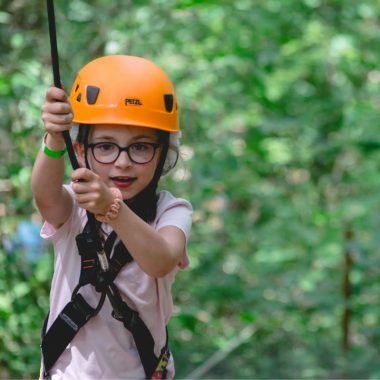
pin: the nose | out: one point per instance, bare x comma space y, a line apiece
123, 160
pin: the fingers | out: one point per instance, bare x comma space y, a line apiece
82, 175
89, 201
55, 94
57, 121
57, 113
90, 191
84, 181
86, 200
57, 108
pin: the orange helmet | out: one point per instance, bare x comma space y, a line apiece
122, 89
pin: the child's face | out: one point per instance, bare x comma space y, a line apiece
131, 178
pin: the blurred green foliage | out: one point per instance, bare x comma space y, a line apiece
280, 108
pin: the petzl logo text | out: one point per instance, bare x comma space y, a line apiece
133, 102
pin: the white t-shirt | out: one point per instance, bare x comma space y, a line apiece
103, 348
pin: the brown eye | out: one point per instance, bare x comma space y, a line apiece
140, 147
105, 147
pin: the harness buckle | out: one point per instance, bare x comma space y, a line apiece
82, 306
128, 316
103, 279
161, 370
85, 243
103, 261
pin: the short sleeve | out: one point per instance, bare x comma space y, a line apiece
48, 232
176, 212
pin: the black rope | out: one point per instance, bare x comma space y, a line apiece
57, 77
57, 83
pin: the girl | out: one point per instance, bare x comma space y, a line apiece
126, 114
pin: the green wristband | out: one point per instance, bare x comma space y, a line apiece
50, 152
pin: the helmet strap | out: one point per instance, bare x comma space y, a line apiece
144, 204
85, 143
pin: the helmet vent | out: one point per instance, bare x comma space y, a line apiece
168, 99
92, 94
79, 97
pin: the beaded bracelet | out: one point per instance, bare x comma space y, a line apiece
114, 208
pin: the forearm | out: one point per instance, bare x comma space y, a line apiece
155, 253
47, 174
52, 200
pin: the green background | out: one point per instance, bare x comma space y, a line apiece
279, 104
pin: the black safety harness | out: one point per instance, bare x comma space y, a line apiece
78, 312
100, 264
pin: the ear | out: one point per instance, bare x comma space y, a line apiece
80, 151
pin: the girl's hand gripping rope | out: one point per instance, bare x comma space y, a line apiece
91, 192
57, 116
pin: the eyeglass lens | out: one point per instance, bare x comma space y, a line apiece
139, 153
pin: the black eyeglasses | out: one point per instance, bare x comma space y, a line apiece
139, 152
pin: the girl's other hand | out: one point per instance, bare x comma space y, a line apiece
91, 192
57, 113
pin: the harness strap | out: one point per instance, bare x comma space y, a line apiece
87, 250
141, 335
73, 316
120, 257
77, 312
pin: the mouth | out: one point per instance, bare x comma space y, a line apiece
123, 182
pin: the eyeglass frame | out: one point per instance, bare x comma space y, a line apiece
155, 146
